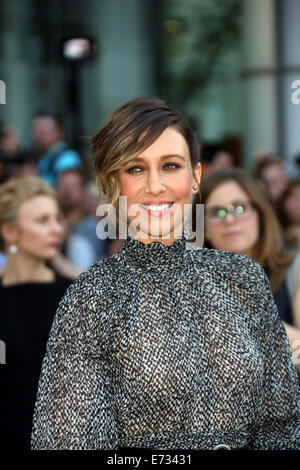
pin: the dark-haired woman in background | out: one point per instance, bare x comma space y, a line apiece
239, 218
272, 176
289, 214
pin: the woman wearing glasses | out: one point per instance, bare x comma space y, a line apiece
161, 346
239, 218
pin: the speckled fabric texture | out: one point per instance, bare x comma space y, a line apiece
164, 347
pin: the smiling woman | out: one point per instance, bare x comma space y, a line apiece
239, 218
161, 346
159, 183
151, 158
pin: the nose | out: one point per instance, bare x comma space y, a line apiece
56, 228
154, 183
229, 217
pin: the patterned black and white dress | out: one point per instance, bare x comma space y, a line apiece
165, 347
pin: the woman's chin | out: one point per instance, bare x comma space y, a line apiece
49, 254
159, 233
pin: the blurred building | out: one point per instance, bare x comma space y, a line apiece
230, 65
36, 77
227, 65
271, 63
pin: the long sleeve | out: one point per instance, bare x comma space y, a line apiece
131, 363
278, 416
74, 408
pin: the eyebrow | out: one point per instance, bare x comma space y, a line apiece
236, 201
164, 157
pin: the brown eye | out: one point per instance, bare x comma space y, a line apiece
42, 220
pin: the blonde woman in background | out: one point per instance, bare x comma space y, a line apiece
30, 234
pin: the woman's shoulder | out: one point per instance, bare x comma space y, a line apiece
239, 276
95, 278
88, 306
229, 268
234, 264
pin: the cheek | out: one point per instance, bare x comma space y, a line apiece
33, 234
179, 185
182, 187
254, 228
213, 234
129, 187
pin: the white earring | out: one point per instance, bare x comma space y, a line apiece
13, 249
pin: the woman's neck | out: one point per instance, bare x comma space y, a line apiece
169, 239
22, 268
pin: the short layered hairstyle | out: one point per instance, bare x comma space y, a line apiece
129, 130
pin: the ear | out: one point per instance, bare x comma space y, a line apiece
9, 233
197, 173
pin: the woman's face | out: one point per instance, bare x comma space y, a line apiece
39, 230
275, 180
237, 233
292, 206
157, 185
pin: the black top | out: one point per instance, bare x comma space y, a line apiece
26, 315
165, 347
282, 300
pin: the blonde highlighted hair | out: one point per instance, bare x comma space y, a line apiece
130, 129
16, 191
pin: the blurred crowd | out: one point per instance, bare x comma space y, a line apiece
46, 189
47, 238
257, 214
51, 159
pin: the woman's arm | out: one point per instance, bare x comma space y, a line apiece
278, 409
294, 340
74, 406
296, 301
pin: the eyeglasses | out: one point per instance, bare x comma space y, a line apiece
239, 211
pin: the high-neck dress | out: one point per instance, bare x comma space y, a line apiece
166, 347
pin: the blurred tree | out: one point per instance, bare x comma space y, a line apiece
195, 44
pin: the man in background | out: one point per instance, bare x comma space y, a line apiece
54, 156
82, 246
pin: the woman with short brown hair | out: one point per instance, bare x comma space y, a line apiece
163, 345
